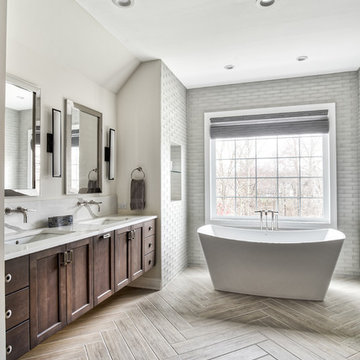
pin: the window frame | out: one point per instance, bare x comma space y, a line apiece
329, 163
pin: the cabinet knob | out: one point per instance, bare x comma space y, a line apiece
150, 228
8, 278
8, 314
150, 244
149, 262
9, 349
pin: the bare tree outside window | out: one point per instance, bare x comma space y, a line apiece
283, 173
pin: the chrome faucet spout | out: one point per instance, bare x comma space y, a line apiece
82, 202
19, 210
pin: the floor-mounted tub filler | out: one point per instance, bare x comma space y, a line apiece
294, 264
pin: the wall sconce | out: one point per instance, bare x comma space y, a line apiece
110, 154
54, 143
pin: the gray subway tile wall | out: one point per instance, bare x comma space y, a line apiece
341, 88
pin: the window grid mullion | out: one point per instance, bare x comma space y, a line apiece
300, 204
235, 179
277, 174
256, 178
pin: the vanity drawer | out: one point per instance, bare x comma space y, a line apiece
149, 244
16, 307
17, 341
16, 274
149, 228
149, 261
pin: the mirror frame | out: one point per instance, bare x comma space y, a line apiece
69, 104
14, 80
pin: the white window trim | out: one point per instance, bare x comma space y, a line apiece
329, 172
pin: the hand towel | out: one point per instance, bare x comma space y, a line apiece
137, 196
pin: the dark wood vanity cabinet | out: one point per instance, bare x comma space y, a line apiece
136, 252
47, 290
17, 310
149, 245
122, 275
79, 287
61, 287
103, 267
47, 293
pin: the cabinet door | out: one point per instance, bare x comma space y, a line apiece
47, 293
137, 250
121, 259
79, 278
103, 267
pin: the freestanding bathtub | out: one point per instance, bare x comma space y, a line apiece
295, 264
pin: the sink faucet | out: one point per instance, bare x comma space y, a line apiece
82, 202
20, 210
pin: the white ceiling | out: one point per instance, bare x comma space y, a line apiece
63, 32
196, 38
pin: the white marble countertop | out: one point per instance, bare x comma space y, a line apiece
51, 237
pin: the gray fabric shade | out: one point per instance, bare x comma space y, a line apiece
290, 123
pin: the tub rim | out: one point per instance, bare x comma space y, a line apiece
341, 236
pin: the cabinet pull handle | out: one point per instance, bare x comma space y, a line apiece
70, 256
149, 262
8, 314
133, 234
129, 236
65, 259
9, 349
8, 278
106, 236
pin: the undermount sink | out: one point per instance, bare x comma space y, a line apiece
26, 238
106, 221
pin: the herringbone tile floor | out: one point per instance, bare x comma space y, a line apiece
189, 320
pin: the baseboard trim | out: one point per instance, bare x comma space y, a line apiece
147, 283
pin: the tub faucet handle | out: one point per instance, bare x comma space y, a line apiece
261, 212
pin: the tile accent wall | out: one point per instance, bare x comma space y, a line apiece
341, 88
173, 213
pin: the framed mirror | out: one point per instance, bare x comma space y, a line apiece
22, 138
83, 146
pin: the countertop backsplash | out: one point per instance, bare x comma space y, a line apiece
45, 208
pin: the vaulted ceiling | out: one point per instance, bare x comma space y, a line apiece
63, 32
197, 38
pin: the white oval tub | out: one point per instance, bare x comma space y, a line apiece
295, 264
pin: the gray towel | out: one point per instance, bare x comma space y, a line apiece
137, 201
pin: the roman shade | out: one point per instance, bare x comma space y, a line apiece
287, 123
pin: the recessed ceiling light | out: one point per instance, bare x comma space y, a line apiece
302, 58
265, 3
123, 3
229, 67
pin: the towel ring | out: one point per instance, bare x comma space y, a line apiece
139, 169
91, 171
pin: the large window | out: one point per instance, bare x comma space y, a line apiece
289, 173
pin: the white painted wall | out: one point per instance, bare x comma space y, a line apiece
138, 138
57, 83
2, 131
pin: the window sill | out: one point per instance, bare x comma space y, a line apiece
283, 224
